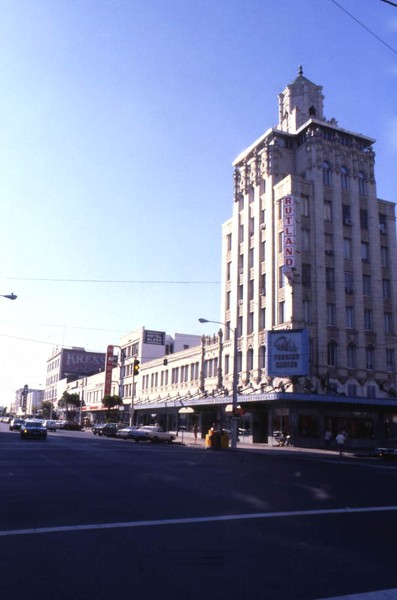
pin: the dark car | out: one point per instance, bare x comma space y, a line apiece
15, 424
72, 426
110, 429
33, 430
96, 429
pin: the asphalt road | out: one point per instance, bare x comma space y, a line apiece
88, 518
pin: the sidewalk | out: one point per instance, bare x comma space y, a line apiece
189, 441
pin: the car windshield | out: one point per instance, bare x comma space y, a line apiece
29, 424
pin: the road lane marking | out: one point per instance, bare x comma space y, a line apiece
193, 520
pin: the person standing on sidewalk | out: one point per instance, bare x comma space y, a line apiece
340, 442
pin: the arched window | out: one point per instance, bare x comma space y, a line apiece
351, 356
344, 178
263, 357
362, 183
327, 178
332, 353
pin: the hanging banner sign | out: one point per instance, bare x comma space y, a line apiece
108, 371
289, 236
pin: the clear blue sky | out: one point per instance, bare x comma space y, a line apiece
119, 122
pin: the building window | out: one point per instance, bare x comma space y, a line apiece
371, 391
228, 298
390, 364
386, 287
306, 274
366, 285
305, 240
229, 242
352, 390
350, 320
327, 211
351, 356
281, 277
370, 358
263, 288
250, 324
363, 219
348, 282
330, 279
382, 223
251, 258
329, 243
305, 205
384, 253
281, 312
307, 311
250, 359
347, 248
368, 319
331, 314
227, 363
263, 357
332, 353
327, 176
346, 214
362, 184
262, 318
228, 271
365, 252
388, 320
344, 179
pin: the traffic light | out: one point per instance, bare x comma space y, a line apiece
136, 366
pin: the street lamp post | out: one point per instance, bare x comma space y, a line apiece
235, 377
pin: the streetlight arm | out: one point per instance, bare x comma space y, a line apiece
11, 296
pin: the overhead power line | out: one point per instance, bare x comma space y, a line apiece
389, 2
365, 27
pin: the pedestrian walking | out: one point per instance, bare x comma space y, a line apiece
195, 430
340, 442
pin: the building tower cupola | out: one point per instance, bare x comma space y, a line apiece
300, 101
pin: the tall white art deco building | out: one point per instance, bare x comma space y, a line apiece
311, 246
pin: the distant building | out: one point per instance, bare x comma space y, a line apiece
70, 364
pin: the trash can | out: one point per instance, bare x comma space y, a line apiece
224, 439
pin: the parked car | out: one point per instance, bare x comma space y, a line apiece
60, 424
96, 429
110, 429
72, 426
50, 425
33, 430
126, 432
15, 424
152, 433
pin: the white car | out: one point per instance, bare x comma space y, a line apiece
152, 433
50, 425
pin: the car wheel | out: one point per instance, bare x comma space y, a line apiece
137, 440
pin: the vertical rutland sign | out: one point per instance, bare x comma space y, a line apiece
287, 353
289, 236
